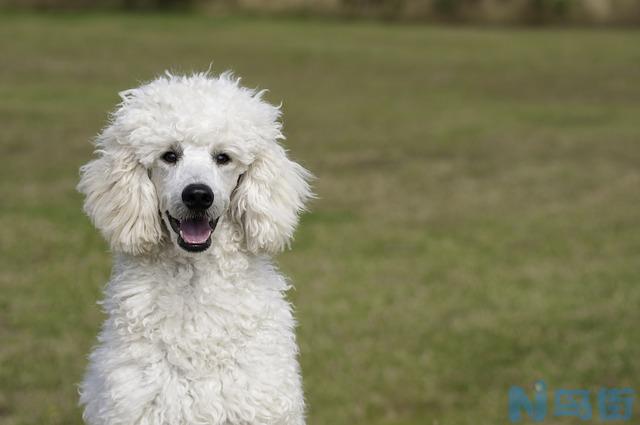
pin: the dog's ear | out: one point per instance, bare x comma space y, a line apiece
120, 199
268, 199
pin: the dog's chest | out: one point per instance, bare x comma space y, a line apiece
205, 339
202, 321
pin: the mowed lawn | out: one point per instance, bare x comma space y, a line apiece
477, 223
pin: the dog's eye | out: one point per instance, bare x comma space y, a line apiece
170, 157
222, 158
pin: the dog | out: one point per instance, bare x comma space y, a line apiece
194, 193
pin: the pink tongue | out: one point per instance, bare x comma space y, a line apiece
195, 230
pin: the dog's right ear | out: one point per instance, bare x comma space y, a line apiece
120, 199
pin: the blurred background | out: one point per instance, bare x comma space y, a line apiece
478, 170
485, 11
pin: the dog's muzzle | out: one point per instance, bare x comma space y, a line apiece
194, 233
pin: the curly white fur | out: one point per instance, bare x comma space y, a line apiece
194, 338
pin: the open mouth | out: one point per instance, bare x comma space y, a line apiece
194, 233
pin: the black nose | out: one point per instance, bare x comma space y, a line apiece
197, 196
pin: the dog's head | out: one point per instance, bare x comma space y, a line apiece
190, 152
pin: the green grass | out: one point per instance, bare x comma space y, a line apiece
477, 224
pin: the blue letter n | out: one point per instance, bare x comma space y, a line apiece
519, 402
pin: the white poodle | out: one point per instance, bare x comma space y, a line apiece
194, 193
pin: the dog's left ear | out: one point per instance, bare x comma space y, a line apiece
269, 198
120, 198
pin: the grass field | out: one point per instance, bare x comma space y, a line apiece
477, 225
